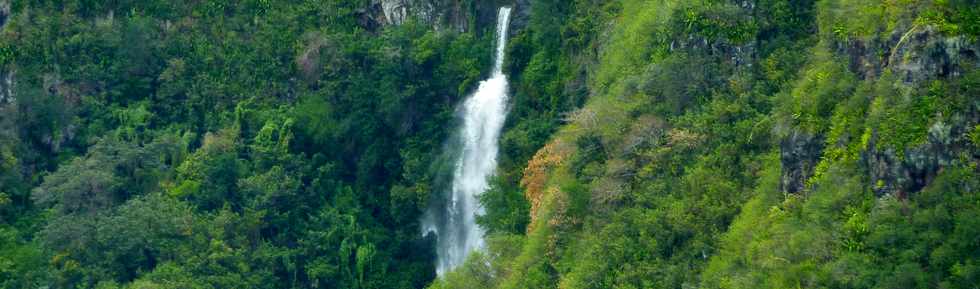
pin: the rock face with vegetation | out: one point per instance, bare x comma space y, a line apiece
747, 144
432, 12
648, 144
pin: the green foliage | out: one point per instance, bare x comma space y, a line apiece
296, 144
954, 17
215, 144
209, 176
20, 261
904, 239
547, 62
508, 210
975, 136
714, 20
109, 174
907, 118
864, 20
675, 163
821, 87
481, 270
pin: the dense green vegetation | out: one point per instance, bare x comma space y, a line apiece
649, 144
205, 144
753, 144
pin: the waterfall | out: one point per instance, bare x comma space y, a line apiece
483, 115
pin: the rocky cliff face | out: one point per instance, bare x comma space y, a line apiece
4, 13
923, 54
900, 173
6, 77
6, 87
799, 153
396, 12
916, 55
454, 15
441, 14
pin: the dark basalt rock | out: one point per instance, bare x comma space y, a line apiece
520, 17
370, 18
440, 14
452, 15
915, 53
918, 165
6, 87
4, 13
924, 53
799, 154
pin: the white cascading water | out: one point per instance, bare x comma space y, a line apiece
483, 115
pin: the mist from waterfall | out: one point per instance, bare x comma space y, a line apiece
483, 115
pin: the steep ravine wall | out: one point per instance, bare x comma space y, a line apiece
914, 55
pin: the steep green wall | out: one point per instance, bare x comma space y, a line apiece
757, 144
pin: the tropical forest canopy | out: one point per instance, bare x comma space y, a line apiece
648, 143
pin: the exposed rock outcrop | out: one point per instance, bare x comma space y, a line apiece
799, 154
6, 75
924, 53
730, 50
454, 15
891, 174
441, 14
4, 13
6, 87
396, 12
916, 54
520, 17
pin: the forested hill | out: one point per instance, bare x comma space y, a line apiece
226, 144
649, 143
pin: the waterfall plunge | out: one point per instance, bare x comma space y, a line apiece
483, 115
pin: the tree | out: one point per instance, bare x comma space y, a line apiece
110, 173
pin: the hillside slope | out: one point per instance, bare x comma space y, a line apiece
755, 144
648, 143
226, 144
